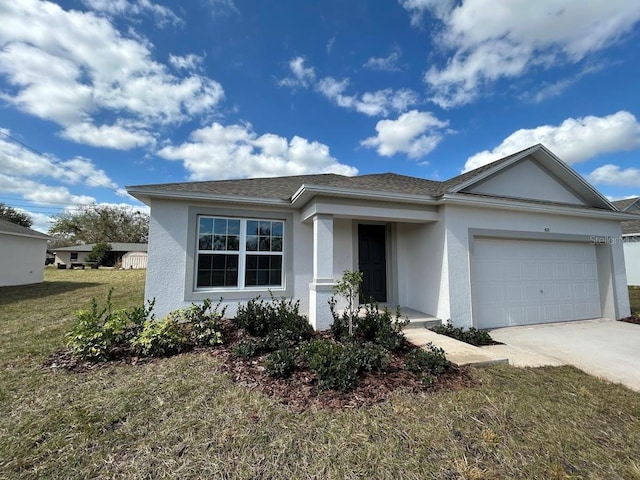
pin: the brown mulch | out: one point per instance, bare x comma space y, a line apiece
300, 391
631, 319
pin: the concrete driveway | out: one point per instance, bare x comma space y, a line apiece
604, 348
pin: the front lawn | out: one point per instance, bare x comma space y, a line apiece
181, 417
634, 298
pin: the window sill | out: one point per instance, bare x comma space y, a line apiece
236, 293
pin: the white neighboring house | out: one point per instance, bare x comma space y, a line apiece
22, 254
129, 255
631, 239
522, 240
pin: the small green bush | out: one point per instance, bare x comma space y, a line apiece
368, 357
472, 336
204, 322
260, 318
280, 364
161, 338
335, 368
98, 332
247, 348
431, 361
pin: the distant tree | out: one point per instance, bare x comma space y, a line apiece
101, 223
98, 253
12, 215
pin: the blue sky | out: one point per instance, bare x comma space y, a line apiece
99, 94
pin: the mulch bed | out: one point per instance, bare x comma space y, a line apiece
300, 391
635, 320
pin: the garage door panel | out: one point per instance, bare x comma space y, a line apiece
523, 282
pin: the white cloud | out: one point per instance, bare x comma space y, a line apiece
574, 140
614, 175
162, 14
387, 64
378, 103
40, 193
186, 62
118, 137
414, 133
222, 8
71, 67
302, 76
236, 151
514, 36
29, 168
330, 43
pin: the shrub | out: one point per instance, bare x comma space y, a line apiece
368, 357
340, 326
280, 364
472, 336
382, 327
161, 338
99, 253
204, 323
97, 332
430, 361
246, 349
260, 318
332, 364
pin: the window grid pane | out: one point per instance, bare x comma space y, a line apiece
222, 244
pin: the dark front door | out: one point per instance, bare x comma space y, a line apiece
372, 262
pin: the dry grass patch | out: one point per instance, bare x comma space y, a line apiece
181, 417
634, 299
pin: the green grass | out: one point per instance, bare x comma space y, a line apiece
634, 298
182, 417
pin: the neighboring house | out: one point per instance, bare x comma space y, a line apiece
22, 254
523, 240
631, 239
129, 255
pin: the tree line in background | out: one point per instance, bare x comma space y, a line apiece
89, 224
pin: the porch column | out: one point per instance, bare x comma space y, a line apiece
320, 289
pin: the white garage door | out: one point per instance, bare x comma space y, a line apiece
521, 282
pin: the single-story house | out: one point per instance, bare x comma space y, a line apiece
22, 254
522, 240
128, 255
631, 239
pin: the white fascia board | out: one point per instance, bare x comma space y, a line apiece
306, 192
27, 235
504, 204
142, 194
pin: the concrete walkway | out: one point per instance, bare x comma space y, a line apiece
456, 351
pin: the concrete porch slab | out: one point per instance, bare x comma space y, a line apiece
456, 351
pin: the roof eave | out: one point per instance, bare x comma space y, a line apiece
306, 192
145, 195
514, 204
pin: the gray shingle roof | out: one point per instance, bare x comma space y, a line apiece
631, 227
283, 188
115, 247
622, 205
12, 228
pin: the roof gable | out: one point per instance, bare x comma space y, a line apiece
532, 174
526, 180
629, 205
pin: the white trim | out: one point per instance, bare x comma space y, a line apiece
209, 197
307, 192
513, 204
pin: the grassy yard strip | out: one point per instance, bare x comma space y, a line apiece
634, 298
181, 417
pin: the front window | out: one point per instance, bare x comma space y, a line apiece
239, 253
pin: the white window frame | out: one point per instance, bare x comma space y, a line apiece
242, 253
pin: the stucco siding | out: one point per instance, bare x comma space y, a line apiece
463, 222
632, 261
21, 260
64, 258
421, 268
171, 263
527, 180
